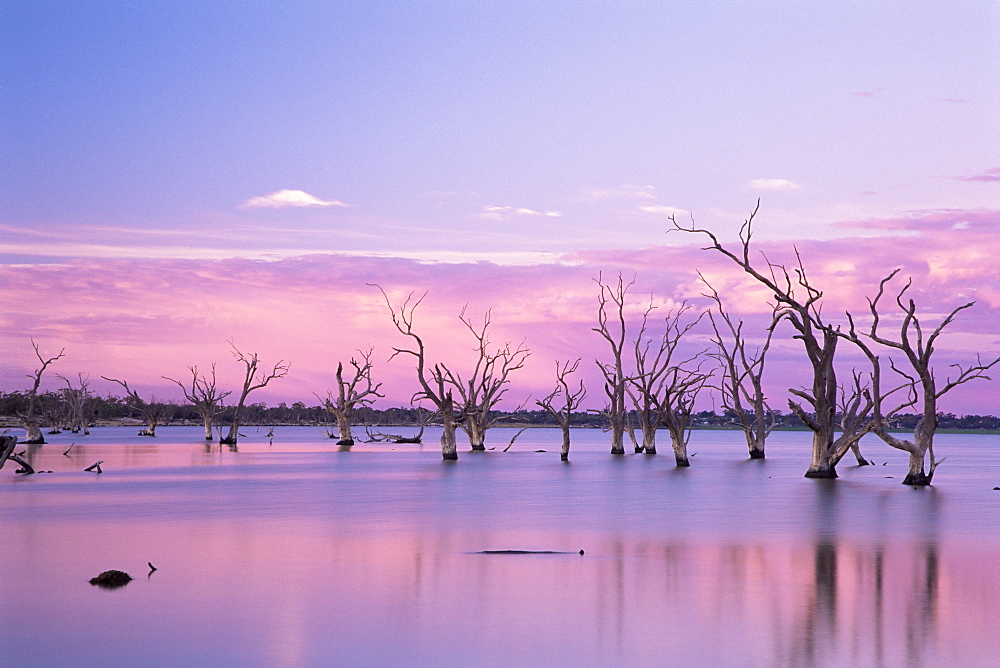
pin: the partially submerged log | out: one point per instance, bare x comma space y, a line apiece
95, 466
526, 552
7, 445
111, 579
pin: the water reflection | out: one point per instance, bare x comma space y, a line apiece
303, 593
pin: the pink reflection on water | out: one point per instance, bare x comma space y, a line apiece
300, 593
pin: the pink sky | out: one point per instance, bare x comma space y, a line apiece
176, 175
143, 319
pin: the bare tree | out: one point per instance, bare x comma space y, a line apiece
355, 390
433, 384
571, 400
254, 378
917, 347
611, 327
78, 403
29, 418
642, 388
741, 385
798, 302
487, 383
681, 383
855, 421
152, 411
204, 396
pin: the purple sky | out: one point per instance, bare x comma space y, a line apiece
177, 175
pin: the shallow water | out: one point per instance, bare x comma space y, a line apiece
294, 553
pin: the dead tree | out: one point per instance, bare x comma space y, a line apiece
798, 302
358, 389
422, 419
204, 396
254, 378
570, 400
917, 347
679, 386
611, 327
741, 385
855, 421
433, 384
151, 411
487, 383
29, 418
78, 404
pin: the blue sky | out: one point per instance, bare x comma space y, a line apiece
457, 126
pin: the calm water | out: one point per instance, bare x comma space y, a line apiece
297, 554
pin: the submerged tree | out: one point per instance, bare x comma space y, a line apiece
434, 386
357, 389
204, 396
29, 418
254, 378
741, 386
680, 383
570, 400
488, 382
611, 327
151, 411
643, 387
79, 410
798, 301
917, 346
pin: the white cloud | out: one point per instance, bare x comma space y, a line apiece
286, 198
624, 191
773, 184
501, 212
663, 209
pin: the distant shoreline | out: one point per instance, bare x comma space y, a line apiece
13, 423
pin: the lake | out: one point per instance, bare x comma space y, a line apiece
295, 553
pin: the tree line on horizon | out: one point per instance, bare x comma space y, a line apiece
111, 408
652, 376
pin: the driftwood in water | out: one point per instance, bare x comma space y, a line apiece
7, 444
95, 466
514, 439
526, 552
111, 579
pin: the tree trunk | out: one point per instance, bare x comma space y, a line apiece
822, 464
915, 474
208, 419
449, 445
648, 439
233, 436
476, 430
34, 434
679, 445
756, 437
617, 438
564, 453
344, 429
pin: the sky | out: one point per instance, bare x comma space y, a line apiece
179, 175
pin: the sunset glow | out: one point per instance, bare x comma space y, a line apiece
176, 177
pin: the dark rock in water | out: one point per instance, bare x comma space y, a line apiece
996, 489
111, 579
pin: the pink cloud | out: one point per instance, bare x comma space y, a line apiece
144, 319
988, 176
